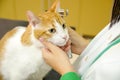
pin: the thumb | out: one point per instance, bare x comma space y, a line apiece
46, 53
51, 47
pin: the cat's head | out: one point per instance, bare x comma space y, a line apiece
50, 26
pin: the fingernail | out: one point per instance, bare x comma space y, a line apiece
41, 39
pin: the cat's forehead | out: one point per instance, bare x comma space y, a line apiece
50, 18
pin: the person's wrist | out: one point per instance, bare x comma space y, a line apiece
66, 70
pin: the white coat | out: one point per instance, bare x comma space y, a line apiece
106, 67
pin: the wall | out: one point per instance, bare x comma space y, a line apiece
16, 9
88, 16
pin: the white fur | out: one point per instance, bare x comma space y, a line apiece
21, 62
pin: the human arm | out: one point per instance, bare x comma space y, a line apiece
78, 42
58, 60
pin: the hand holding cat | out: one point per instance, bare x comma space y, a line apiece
56, 58
78, 43
67, 46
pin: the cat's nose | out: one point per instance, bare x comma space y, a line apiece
65, 37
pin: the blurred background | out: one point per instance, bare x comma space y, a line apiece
87, 16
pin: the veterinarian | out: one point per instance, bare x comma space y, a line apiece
98, 60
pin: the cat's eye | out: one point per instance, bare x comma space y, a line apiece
53, 30
63, 26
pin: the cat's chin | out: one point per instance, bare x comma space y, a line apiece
58, 43
61, 45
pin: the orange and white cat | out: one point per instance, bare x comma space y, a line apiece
20, 48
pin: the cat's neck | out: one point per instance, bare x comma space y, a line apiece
26, 37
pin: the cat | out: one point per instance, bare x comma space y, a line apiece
20, 48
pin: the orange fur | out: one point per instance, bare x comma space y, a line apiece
4, 40
46, 23
48, 18
40, 33
26, 39
54, 6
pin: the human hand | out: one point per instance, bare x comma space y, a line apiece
56, 58
78, 43
67, 47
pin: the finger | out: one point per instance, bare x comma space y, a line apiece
68, 43
62, 47
67, 48
49, 45
45, 51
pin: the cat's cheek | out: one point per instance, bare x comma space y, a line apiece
57, 42
60, 43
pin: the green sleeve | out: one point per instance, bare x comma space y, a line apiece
70, 76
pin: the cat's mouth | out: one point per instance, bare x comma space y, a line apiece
61, 44
64, 45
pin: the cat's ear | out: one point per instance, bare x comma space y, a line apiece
33, 20
55, 7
